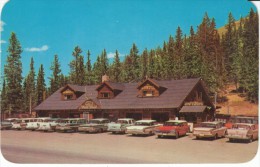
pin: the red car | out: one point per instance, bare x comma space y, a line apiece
173, 128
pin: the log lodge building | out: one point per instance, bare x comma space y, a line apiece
151, 99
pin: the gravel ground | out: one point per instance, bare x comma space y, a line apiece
107, 148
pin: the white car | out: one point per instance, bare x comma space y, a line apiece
35, 124
48, 125
120, 125
142, 127
212, 130
20, 124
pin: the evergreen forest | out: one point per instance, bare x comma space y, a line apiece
229, 57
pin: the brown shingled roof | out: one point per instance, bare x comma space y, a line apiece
192, 109
173, 97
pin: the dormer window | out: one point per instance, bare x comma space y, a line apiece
68, 97
148, 93
150, 88
105, 95
109, 90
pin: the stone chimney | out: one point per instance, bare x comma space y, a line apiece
105, 78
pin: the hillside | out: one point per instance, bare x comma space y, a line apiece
237, 105
222, 30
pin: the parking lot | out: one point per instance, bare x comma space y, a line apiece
107, 148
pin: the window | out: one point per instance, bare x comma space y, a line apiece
68, 97
105, 95
148, 93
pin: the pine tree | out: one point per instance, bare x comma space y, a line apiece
89, 77
13, 75
55, 77
40, 88
30, 94
77, 69
250, 56
116, 68
144, 64
104, 62
97, 73
4, 105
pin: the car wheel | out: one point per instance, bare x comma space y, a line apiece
150, 133
231, 140
197, 137
251, 139
177, 136
215, 137
113, 132
159, 136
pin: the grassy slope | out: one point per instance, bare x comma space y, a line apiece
237, 105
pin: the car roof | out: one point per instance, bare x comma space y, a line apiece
100, 119
72, 118
148, 121
214, 122
125, 119
180, 121
248, 124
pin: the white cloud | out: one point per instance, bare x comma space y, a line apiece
41, 49
2, 25
111, 55
2, 41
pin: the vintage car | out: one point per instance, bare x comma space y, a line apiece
212, 130
241, 119
142, 127
120, 125
243, 131
20, 124
48, 125
173, 128
69, 124
7, 123
35, 124
97, 125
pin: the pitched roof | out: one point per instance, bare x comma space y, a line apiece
192, 109
173, 97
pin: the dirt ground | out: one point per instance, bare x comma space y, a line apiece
107, 148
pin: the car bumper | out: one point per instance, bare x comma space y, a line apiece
137, 132
31, 128
237, 137
201, 135
86, 129
116, 130
63, 129
165, 133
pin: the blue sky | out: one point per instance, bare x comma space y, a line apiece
48, 27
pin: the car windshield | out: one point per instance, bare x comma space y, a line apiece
171, 124
208, 125
143, 124
122, 121
94, 122
243, 127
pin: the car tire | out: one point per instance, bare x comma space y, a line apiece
150, 133
113, 132
159, 136
197, 138
177, 136
231, 140
250, 140
215, 137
